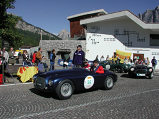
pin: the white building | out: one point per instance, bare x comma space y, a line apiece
121, 31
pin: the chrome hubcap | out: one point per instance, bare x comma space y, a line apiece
109, 82
66, 89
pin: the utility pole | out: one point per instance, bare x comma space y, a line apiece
41, 35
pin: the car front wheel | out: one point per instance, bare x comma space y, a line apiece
65, 89
150, 76
108, 83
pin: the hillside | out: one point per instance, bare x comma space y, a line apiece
150, 16
31, 34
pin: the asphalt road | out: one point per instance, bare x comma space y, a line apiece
129, 99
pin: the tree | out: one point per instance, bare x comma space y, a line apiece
7, 24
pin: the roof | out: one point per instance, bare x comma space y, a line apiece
87, 13
119, 15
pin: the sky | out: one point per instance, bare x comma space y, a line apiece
51, 15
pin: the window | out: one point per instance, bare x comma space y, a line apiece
154, 39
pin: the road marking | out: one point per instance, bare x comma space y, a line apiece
5, 85
83, 105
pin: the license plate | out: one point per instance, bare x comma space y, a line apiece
140, 74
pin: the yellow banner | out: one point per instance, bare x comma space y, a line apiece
122, 54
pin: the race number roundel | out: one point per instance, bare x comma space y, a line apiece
88, 82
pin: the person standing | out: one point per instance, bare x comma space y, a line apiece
11, 56
5, 57
52, 59
78, 57
66, 58
25, 57
154, 63
39, 56
34, 57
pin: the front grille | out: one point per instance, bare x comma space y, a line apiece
40, 82
142, 71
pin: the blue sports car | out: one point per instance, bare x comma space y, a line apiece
65, 82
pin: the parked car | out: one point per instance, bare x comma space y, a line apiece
141, 71
65, 82
120, 67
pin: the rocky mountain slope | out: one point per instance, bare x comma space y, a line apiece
23, 25
150, 16
64, 35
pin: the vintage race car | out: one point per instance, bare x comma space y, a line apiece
120, 67
141, 71
65, 82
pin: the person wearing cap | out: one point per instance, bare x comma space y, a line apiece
97, 68
78, 57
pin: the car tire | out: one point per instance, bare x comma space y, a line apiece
151, 76
109, 83
65, 89
130, 75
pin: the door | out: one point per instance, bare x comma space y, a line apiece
139, 56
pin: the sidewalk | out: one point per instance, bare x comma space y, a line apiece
14, 79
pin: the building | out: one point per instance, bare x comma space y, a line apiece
76, 30
120, 31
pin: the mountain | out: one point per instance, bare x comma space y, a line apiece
32, 34
150, 16
64, 35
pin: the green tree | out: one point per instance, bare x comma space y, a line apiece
7, 24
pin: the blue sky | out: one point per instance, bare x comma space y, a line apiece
51, 15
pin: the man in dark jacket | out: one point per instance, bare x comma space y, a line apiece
78, 57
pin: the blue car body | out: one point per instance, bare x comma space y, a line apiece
81, 79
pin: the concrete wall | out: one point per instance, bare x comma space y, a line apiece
125, 24
48, 45
137, 34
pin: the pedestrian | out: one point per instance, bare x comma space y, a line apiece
34, 57
78, 57
66, 58
154, 63
102, 58
39, 56
52, 59
146, 61
25, 57
11, 56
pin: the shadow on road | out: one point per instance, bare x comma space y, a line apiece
44, 94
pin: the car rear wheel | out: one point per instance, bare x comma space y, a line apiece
108, 83
65, 89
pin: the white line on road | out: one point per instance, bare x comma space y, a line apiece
5, 85
83, 105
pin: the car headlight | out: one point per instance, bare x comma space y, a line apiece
132, 69
150, 70
50, 82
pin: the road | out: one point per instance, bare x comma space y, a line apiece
129, 99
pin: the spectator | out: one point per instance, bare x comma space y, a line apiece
154, 63
5, 57
34, 57
102, 58
52, 59
96, 68
78, 57
25, 57
39, 56
97, 58
146, 61
11, 56
66, 58
107, 58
